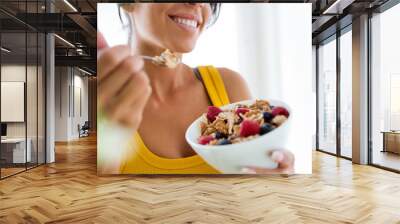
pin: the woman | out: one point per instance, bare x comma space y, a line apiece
159, 103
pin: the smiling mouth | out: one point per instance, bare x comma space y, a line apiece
189, 23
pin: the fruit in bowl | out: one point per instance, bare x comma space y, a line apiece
241, 123
240, 134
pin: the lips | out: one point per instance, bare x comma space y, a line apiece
188, 21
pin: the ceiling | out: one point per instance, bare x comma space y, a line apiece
76, 22
77, 25
329, 16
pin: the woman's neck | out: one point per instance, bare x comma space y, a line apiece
164, 81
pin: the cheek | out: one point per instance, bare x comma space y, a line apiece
148, 24
161, 32
207, 15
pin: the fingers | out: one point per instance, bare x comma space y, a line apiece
256, 170
110, 59
137, 108
124, 87
284, 159
130, 101
101, 41
117, 80
127, 103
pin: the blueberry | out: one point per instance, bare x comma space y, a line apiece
219, 135
265, 128
224, 142
267, 116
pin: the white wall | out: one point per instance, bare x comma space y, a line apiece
12, 101
17, 73
14, 73
61, 103
80, 83
68, 81
33, 127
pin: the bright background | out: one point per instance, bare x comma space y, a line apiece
269, 45
385, 76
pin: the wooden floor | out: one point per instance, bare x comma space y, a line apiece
69, 191
387, 159
5, 172
10, 171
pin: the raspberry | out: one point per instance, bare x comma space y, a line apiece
280, 111
212, 113
249, 127
204, 140
242, 111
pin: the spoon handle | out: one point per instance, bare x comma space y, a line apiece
147, 57
130, 39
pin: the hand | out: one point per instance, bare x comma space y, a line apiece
284, 159
124, 87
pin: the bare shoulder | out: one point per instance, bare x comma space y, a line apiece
235, 85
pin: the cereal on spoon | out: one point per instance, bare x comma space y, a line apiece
243, 123
168, 59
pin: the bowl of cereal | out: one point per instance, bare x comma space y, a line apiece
240, 134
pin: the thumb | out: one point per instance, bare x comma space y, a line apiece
284, 158
101, 42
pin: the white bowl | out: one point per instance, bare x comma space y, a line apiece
232, 158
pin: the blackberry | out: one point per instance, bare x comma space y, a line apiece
265, 128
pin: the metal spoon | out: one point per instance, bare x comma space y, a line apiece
162, 60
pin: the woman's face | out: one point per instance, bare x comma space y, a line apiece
174, 26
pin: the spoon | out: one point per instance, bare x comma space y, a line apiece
166, 58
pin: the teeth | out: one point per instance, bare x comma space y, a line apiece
187, 22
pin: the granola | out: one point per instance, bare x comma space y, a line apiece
242, 123
168, 58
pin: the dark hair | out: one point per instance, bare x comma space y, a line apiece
215, 9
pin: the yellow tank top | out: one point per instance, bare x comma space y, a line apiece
140, 160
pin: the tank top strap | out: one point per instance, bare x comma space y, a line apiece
214, 84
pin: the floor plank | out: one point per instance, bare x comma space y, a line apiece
387, 159
69, 191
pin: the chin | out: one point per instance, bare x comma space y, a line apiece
182, 47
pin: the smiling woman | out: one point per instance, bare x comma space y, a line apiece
178, 22
215, 9
159, 103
